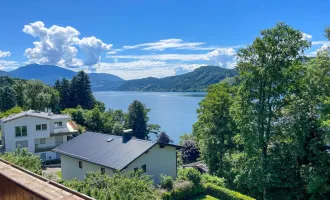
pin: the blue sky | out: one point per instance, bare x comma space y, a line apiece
142, 38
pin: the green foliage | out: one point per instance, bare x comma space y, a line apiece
215, 128
183, 190
207, 178
12, 111
137, 120
7, 98
224, 193
117, 129
24, 159
198, 80
81, 92
132, 186
166, 182
189, 174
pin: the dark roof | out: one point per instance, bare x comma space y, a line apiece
34, 113
198, 165
106, 150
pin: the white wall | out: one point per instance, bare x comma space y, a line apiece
158, 161
32, 134
70, 168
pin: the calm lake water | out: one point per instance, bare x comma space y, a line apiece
175, 112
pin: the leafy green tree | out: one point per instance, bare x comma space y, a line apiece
138, 119
117, 129
94, 120
64, 89
81, 92
20, 87
267, 69
24, 159
14, 110
7, 98
212, 130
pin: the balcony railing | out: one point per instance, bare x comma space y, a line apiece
39, 148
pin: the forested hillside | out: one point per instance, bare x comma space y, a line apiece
198, 80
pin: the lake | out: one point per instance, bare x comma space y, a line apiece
175, 112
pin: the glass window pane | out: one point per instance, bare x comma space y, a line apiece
18, 131
44, 127
38, 127
24, 131
144, 168
59, 123
42, 140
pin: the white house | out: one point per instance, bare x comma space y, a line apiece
92, 152
39, 132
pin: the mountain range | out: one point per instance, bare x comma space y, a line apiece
197, 80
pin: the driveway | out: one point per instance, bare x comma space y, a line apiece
51, 173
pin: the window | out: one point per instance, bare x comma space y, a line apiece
58, 124
42, 140
41, 127
102, 170
20, 131
80, 164
22, 144
144, 168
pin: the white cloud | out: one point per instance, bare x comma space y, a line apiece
4, 54
6, 65
58, 45
144, 68
92, 49
318, 42
306, 36
164, 57
166, 44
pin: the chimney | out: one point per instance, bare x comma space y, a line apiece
127, 136
50, 112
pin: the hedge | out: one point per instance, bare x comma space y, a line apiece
183, 190
224, 194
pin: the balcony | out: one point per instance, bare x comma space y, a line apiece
42, 148
68, 129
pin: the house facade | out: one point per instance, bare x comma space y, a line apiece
39, 132
108, 154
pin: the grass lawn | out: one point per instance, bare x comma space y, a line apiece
59, 174
205, 197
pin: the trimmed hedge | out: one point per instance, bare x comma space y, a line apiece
224, 194
183, 190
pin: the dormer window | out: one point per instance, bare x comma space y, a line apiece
58, 124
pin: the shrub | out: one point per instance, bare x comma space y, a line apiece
207, 178
166, 182
24, 159
183, 190
224, 194
189, 174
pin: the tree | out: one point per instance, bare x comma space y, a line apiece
20, 87
214, 129
327, 33
94, 120
267, 69
25, 159
189, 152
7, 98
138, 119
81, 92
164, 138
117, 129
64, 89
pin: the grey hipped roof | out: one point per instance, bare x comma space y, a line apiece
34, 113
106, 150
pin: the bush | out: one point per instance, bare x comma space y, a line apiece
224, 194
207, 178
189, 174
166, 182
24, 159
183, 190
